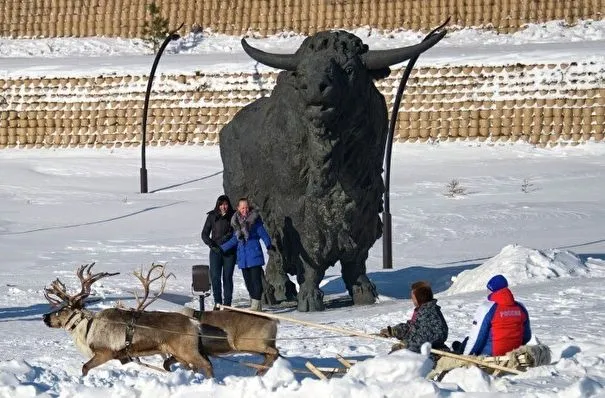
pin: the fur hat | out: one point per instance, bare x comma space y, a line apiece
497, 282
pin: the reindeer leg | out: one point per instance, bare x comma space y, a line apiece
201, 362
168, 362
99, 358
270, 357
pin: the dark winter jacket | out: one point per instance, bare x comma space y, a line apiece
217, 228
247, 238
427, 324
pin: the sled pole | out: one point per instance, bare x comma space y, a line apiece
348, 332
146, 365
311, 324
467, 358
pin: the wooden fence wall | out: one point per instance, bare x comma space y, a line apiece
125, 18
543, 104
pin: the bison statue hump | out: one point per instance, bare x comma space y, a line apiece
310, 156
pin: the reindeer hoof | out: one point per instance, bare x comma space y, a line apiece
168, 362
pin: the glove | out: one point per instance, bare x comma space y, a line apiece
459, 346
386, 332
216, 248
397, 347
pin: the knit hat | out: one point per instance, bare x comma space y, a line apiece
496, 283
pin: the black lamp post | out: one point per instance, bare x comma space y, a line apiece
387, 237
171, 36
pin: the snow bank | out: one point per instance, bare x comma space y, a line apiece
212, 43
384, 376
520, 264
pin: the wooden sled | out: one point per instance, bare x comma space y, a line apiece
328, 373
516, 361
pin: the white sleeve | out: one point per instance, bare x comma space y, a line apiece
477, 321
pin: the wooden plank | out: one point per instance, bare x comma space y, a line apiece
343, 361
315, 371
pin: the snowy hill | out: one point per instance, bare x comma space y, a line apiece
520, 265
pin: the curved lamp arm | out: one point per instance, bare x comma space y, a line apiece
171, 36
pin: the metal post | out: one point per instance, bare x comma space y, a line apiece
387, 237
202, 305
143, 172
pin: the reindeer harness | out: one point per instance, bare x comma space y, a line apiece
129, 335
74, 320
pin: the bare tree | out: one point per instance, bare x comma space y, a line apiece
526, 186
454, 188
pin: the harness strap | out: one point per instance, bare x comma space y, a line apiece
88, 325
130, 326
70, 319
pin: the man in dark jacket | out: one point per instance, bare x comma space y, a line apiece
217, 230
427, 323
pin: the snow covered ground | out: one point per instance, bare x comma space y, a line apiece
535, 215
64, 208
551, 42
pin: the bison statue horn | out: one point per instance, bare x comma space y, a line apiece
373, 59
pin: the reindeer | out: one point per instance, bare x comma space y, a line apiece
123, 334
228, 332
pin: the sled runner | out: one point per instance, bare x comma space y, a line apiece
519, 360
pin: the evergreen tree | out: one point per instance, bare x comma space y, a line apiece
155, 29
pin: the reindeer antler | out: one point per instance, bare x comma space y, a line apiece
146, 281
57, 294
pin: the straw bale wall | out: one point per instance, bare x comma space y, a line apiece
125, 18
544, 104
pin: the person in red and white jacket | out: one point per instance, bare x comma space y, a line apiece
500, 325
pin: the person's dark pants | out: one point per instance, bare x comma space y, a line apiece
254, 281
221, 267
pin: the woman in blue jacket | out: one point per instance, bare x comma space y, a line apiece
248, 230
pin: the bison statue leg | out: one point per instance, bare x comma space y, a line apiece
310, 297
277, 287
361, 289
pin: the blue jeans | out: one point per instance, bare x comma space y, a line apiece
221, 267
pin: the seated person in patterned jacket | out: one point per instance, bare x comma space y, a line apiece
500, 325
427, 323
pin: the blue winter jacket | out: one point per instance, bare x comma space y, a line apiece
249, 252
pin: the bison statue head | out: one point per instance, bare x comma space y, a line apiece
332, 69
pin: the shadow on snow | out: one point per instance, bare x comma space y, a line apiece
92, 222
187, 182
396, 283
32, 312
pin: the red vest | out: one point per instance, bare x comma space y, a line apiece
507, 323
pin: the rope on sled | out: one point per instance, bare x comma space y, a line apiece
135, 326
